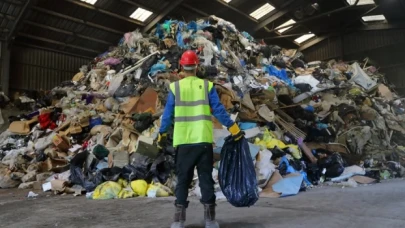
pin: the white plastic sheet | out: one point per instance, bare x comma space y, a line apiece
361, 78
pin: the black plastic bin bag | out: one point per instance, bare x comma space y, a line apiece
237, 176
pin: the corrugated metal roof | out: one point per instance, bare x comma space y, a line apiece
8, 14
107, 20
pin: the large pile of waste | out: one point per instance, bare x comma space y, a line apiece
307, 123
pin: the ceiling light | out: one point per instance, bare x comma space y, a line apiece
265, 9
304, 38
227, 1
373, 18
361, 2
290, 22
141, 14
92, 2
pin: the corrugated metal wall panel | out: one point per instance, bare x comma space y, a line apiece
329, 48
354, 43
360, 41
385, 47
34, 69
396, 75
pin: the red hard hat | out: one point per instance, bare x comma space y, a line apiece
189, 58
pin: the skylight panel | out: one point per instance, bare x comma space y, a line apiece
373, 18
265, 9
361, 2
91, 2
141, 14
304, 38
290, 22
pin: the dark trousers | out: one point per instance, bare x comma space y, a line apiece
187, 158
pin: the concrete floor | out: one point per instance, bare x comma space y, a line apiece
376, 206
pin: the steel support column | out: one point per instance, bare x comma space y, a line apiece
5, 67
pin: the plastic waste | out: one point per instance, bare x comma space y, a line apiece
289, 185
100, 151
89, 195
111, 174
158, 190
333, 164
123, 182
285, 167
32, 194
162, 168
349, 172
265, 167
115, 84
237, 175
349, 183
139, 187
125, 194
107, 190
89, 183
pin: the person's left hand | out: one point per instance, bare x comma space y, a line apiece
237, 134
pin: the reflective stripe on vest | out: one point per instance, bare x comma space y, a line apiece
192, 116
190, 103
192, 113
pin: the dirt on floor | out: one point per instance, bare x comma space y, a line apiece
374, 206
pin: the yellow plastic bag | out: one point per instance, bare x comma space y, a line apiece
123, 182
139, 187
159, 190
126, 193
269, 141
295, 151
275, 143
107, 190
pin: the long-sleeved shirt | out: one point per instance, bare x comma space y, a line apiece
218, 110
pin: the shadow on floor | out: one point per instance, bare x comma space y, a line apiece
232, 225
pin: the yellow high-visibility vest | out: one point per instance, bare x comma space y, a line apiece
192, 113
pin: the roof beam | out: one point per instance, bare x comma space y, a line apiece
237, 10
57, 42
187, 6
16, 23
283, 36
5, 30
313, 42
90, 24
325, 14
66, 32
167, 9
137, 5
380, 27
284, 9
319, 39
14, 2
88, 6
9, 17
53, 50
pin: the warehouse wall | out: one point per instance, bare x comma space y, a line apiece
385, 47
35, 69
1, 62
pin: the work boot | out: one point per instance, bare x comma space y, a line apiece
179, 217
209, 216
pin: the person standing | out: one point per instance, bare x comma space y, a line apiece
191, 102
